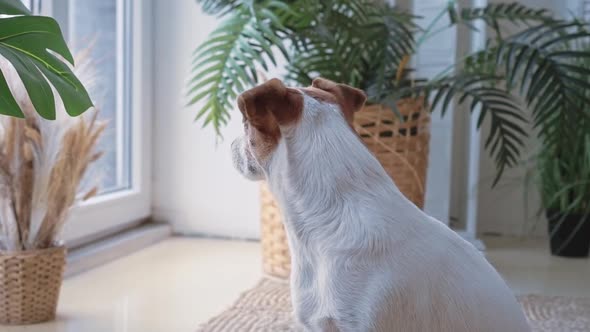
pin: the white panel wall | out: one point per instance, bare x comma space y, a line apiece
435, 55
195, 185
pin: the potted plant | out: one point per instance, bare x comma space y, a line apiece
547, 66
42, 163
562, 167
564, 182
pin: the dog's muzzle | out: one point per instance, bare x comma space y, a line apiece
244, 162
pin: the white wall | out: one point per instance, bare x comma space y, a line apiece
195, 185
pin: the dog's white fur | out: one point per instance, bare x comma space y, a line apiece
364, 258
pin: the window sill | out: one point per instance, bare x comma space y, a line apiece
94, 254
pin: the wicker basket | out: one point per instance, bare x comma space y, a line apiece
276, 260
402, 149
29, 285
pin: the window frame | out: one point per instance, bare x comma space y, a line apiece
110, 212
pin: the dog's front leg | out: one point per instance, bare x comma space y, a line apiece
307, 300
308, 323
319, 311
344, 308
304, 296
329, 324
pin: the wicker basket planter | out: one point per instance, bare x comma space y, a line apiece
29, 285
402, 149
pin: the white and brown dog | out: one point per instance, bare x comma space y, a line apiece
364, 258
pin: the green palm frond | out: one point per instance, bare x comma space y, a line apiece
335, 46
226, 63
322, 52
331, 43
494, 14
384, 54
218, 7
326, 38
542, 64
564, 175
563, 167
506, 136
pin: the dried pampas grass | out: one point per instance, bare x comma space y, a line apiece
42, 165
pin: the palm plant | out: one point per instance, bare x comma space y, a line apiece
367, 44
316, 37
562, 166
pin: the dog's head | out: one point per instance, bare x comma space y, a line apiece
273, 112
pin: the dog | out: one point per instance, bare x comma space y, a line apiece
364, 258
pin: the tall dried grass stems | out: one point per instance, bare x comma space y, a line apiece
42, 166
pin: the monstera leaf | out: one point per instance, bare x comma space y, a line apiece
34, 45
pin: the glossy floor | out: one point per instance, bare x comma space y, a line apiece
178, 283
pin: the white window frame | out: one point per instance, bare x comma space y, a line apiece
107, 213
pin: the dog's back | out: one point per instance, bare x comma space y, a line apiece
442, 283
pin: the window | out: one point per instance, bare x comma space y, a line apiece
101, 25
99, 28
108, 31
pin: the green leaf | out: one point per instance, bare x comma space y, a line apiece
202, 82
449, 97
496, 13
206, 71
25, 41
517, 64
73, 95
216, 7
34, 35
505, 139
37, 87
13, 7
227, 62
531, 62
212, 42
569, 54
8, 105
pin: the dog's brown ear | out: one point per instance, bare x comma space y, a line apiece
271, 104
350, 99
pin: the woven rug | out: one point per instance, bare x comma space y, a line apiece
267, 308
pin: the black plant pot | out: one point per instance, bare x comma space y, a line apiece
569, 234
